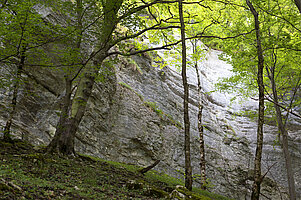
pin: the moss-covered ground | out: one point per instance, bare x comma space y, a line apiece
27, 173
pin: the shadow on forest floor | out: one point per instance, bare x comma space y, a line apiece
27, 173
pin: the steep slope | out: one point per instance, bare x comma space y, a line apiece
27, 173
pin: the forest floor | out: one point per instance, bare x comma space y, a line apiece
27, 173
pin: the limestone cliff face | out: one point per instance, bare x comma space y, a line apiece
135, 116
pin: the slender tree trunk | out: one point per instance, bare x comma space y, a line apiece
16, 87
202, 142
188, 169
283, 131
257, 168
200, 126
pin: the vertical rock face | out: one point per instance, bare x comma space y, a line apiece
135, 116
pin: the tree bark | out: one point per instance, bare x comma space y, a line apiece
73, 111
188, 169
283, 131
257, 164
63, 141
57, 144
200, 127
202, 143
146, 169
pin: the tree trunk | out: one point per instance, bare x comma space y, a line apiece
6, 136
63, 141
72, 114
282, 130
188, 169
257, 168
202, 144
200, 127
57, 144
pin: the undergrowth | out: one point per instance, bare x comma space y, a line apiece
27, 173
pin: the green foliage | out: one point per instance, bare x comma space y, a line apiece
252, 114
162, 115
280, 33
24, 31
157, 176
276, 143
191, 195
173, 121
154, 107
210, 195
208, 184
84, 177
130, 88
125, 85
134, 65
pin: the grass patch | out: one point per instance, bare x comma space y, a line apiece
209, 194
163, 115
130, 88
28, 173
133, 64
154, 107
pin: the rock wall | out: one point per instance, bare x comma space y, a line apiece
135, 116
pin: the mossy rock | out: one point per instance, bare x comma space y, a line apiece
176, 195
155, 192
134, 185
190, 195
146, 188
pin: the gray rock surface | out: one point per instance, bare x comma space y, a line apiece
121, 125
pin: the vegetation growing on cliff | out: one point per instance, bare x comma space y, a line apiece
87, 32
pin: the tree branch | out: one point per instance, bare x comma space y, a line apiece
284, 108
280, 17
146, 169
49, 89
155, 27
175, 43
